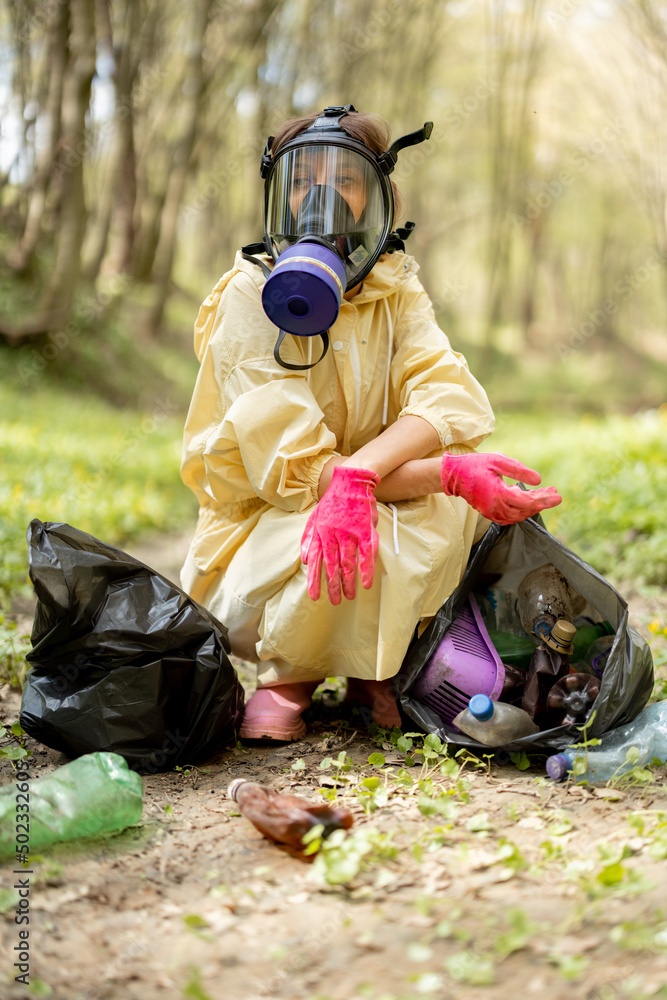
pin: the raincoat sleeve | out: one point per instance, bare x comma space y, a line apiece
433, 381
253, 430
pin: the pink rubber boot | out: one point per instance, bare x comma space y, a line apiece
379, 696
275, 713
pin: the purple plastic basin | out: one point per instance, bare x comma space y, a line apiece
465, 663
305, 289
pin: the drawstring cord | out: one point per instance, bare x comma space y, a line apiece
395, 527
385, 405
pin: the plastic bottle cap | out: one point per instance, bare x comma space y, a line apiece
559, 766
233, 787
481, 707
561, 637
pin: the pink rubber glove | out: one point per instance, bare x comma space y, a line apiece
477, 478
342, 524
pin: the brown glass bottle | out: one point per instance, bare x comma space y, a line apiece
550, 662
285, 819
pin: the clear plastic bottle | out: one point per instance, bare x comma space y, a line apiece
284, 819
597, 655
494, 723
647, 733
544, 596
94, 794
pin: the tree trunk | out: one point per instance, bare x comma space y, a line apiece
118, 195
21, 257
192, 85
59, 294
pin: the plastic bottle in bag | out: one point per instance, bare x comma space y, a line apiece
544, 596
647, 733
285, 819
571, 699
550, 662
94, 794
494, 723
597, 654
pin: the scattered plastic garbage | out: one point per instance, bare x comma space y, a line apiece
647, 734
95, 794
494, 723
285, 819
571, 699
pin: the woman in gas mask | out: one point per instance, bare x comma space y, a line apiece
357, 460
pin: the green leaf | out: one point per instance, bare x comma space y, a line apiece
469, 967
612, 874
372, 783
404, 743
39, 988
433, 742
520, 759
194, 922
569, 966
478, 823
376, 760
299, 765
13, 753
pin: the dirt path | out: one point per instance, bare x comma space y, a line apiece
487, 882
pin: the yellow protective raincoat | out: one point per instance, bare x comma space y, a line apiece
256, 439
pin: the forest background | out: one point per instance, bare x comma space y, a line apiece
131, 132
130, 138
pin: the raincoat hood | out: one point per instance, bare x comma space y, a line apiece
390, 273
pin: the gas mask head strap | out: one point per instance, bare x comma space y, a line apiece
327, 121
299, 368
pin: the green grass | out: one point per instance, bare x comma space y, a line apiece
114, 474
612, 475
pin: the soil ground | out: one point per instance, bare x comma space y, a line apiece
525, 886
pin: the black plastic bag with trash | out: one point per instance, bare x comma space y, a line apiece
509, 553
122, 659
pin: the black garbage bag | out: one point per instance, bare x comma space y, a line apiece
513, 552
122, 659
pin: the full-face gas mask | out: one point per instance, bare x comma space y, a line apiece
328, 212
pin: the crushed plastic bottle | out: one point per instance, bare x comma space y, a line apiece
494, 723
285, 819
94, 794
647, 734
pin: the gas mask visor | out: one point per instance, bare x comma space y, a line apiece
334, 196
